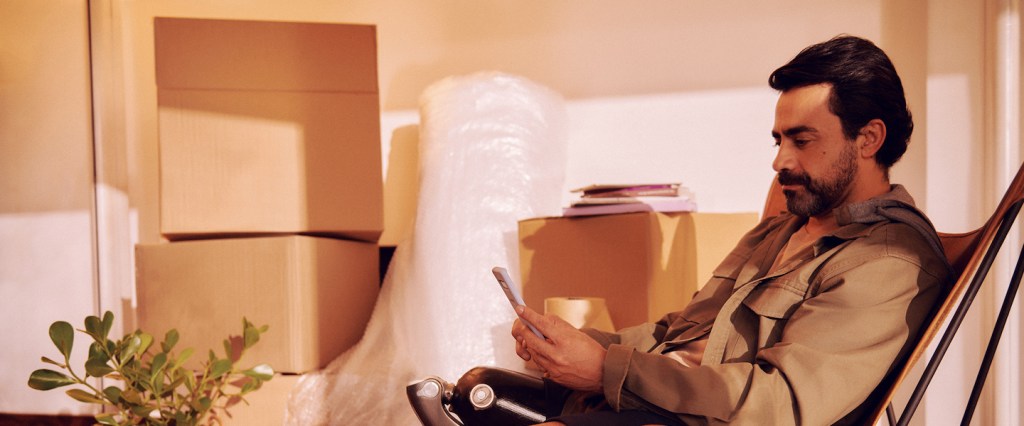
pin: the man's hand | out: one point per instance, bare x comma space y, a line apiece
568, 356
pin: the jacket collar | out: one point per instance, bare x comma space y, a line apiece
866, 212
859, 219
855, 221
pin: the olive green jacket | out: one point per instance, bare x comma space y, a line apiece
804, 344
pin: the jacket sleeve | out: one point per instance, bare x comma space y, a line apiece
834, 349
646, 336
643, 337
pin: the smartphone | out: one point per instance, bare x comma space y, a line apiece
508, 286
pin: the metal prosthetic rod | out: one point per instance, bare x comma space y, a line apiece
483, 396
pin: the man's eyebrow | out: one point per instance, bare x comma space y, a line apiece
792, 131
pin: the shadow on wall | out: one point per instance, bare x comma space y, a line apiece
401, 185
401, 192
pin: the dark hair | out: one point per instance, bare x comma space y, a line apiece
865, 86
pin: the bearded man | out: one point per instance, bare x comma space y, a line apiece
811, 311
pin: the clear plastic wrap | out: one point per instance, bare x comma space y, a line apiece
492, 152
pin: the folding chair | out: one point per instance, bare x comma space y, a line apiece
971, 255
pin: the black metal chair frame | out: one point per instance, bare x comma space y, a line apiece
1005, 223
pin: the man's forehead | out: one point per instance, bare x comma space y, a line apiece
799, 108
806, 97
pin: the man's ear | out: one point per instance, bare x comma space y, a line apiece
871, 138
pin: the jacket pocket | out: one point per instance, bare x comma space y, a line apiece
773, 304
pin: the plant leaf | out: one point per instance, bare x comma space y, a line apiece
147, 341
113, 393
157, 385
44, 379
252, 336
63, 336
205, 403
220, 367
107, 419
260, 372
96, 351
83, 396
131, 348
159, 360
50, 361
108, 323
97, 367
170, 339
94, 327
174, 385
249, 387
143, 411
182, 357
132, 396
190, 382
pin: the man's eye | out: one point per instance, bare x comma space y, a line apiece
800, 142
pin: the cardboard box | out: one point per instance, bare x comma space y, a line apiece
266, 405
223, 54
256, 162
643, 264
268, 127
316, 294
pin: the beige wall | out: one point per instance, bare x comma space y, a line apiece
46, 181
956, 103
621, 49
691, 50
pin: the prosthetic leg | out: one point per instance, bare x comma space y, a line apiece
483, 396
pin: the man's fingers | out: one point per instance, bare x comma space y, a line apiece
521, 350
534, 318
538, 358
524, 354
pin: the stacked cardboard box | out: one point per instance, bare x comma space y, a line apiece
271, 188
266, 406
316, 294
268, 127
643, 264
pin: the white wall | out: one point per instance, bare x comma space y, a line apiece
717, 143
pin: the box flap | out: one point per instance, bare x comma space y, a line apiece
262, 55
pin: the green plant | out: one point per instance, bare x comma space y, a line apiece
156, 388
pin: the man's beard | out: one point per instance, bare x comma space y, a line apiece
820, 194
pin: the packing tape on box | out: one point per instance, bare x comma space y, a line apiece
581, 312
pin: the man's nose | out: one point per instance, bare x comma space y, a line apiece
784, 159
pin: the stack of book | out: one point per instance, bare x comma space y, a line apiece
612, 199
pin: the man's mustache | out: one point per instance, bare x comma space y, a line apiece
787, 177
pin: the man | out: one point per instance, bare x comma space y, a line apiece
808, 314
